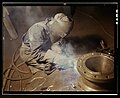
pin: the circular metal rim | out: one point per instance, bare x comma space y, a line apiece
94, 55
86, 87
90, 75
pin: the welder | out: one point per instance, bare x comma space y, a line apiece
41, 37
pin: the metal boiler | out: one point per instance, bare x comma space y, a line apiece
97, 72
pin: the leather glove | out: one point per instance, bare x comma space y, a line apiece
49, 68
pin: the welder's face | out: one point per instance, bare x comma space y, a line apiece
60, 27
59, 30
57, 34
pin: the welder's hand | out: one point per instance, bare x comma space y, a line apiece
61, 60
50, 56
54, 57
56, 48
49, 68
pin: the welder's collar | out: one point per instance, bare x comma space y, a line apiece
46, 22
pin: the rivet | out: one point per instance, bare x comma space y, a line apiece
64, 3
10, 86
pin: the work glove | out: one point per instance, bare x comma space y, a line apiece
49, 68
59, 59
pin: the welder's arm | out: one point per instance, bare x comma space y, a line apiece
36, 41
62, 61
56, 58
51, 56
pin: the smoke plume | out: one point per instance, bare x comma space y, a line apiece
73, 48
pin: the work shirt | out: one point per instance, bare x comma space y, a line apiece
37, 40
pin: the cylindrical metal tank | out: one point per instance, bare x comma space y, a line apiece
97, 72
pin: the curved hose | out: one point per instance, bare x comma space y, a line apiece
39, 84
8, 70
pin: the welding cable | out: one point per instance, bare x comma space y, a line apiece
9, 81
16, 69
13, 60
8, 72
15, 79
19, 80
96, 21
38, 85
9, 75
15, 65
48, 88
12, 79
12, 68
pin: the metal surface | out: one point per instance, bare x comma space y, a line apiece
63, 78
97, 71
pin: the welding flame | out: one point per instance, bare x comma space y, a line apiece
68, 58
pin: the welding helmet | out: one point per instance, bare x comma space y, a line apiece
62, 25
